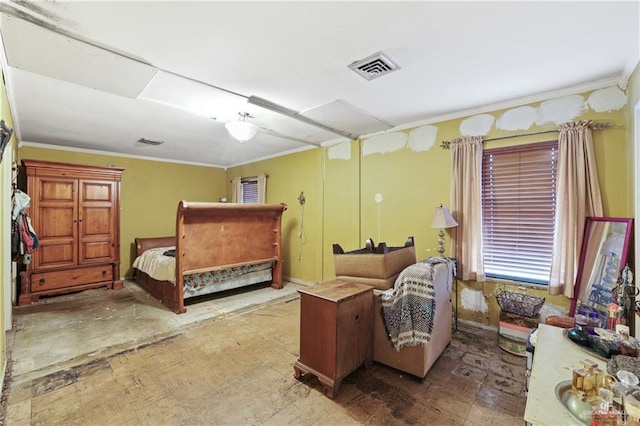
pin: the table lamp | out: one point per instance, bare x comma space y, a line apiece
443, 219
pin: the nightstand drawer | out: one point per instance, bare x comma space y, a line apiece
68, 278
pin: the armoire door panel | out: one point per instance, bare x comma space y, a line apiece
96, 251
96, 221
55, 222
57, 190
96, 191
56, 255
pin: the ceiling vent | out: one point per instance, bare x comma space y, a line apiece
374, 66
150, 142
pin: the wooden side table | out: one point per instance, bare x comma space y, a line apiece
336, 331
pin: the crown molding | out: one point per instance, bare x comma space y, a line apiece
114, 154
160, 160
279, 154
538, 97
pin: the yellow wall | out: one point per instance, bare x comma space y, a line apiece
340, 183
341, 213
413, 181
150, 192
633, 131
7, 156
288, 176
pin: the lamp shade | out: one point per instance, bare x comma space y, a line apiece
242, 129
443, 218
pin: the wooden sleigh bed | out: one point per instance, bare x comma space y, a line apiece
218, 247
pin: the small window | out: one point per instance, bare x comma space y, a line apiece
249, 191
518, 211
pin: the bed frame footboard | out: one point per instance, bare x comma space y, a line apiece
212, 236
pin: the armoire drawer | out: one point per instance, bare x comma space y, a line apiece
60, 279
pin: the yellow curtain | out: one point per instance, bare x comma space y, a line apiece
577, 196
466, 206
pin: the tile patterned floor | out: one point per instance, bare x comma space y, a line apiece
238, 370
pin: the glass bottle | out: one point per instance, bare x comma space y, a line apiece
590, 386
593, 322
577, 380
612, 317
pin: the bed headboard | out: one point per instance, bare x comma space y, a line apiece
144, 244
212, 236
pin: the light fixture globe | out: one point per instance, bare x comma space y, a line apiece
242, 130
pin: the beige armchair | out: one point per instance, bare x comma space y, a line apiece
380, 270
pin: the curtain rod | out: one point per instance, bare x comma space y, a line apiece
252, 177
594, 126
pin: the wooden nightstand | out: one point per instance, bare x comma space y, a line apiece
336, 331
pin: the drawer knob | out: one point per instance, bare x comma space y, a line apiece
41, 281
357, 317
104, 273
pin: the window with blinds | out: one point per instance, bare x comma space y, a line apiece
249, 191
518, 211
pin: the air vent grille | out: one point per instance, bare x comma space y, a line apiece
374, 66
150, 142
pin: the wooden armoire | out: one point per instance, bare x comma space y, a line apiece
75, 213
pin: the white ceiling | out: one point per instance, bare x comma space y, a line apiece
101, 75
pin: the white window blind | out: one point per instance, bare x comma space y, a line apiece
249, 191
518, 211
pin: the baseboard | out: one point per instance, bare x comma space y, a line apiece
478, 325
2, 380
301, 282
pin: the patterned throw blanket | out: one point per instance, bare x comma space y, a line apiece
409, 307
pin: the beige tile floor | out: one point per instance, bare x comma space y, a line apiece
237, 369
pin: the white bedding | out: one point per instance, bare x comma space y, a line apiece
161, 268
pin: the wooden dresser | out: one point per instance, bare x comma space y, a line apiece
75, 213
336, 331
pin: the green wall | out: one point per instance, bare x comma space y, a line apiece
149, 193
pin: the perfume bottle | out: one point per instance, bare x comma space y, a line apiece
602, 414
577, 381
590, 380
612, 318
593, 322
584, 380
579, 334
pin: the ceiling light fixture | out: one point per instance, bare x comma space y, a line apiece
242, 129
